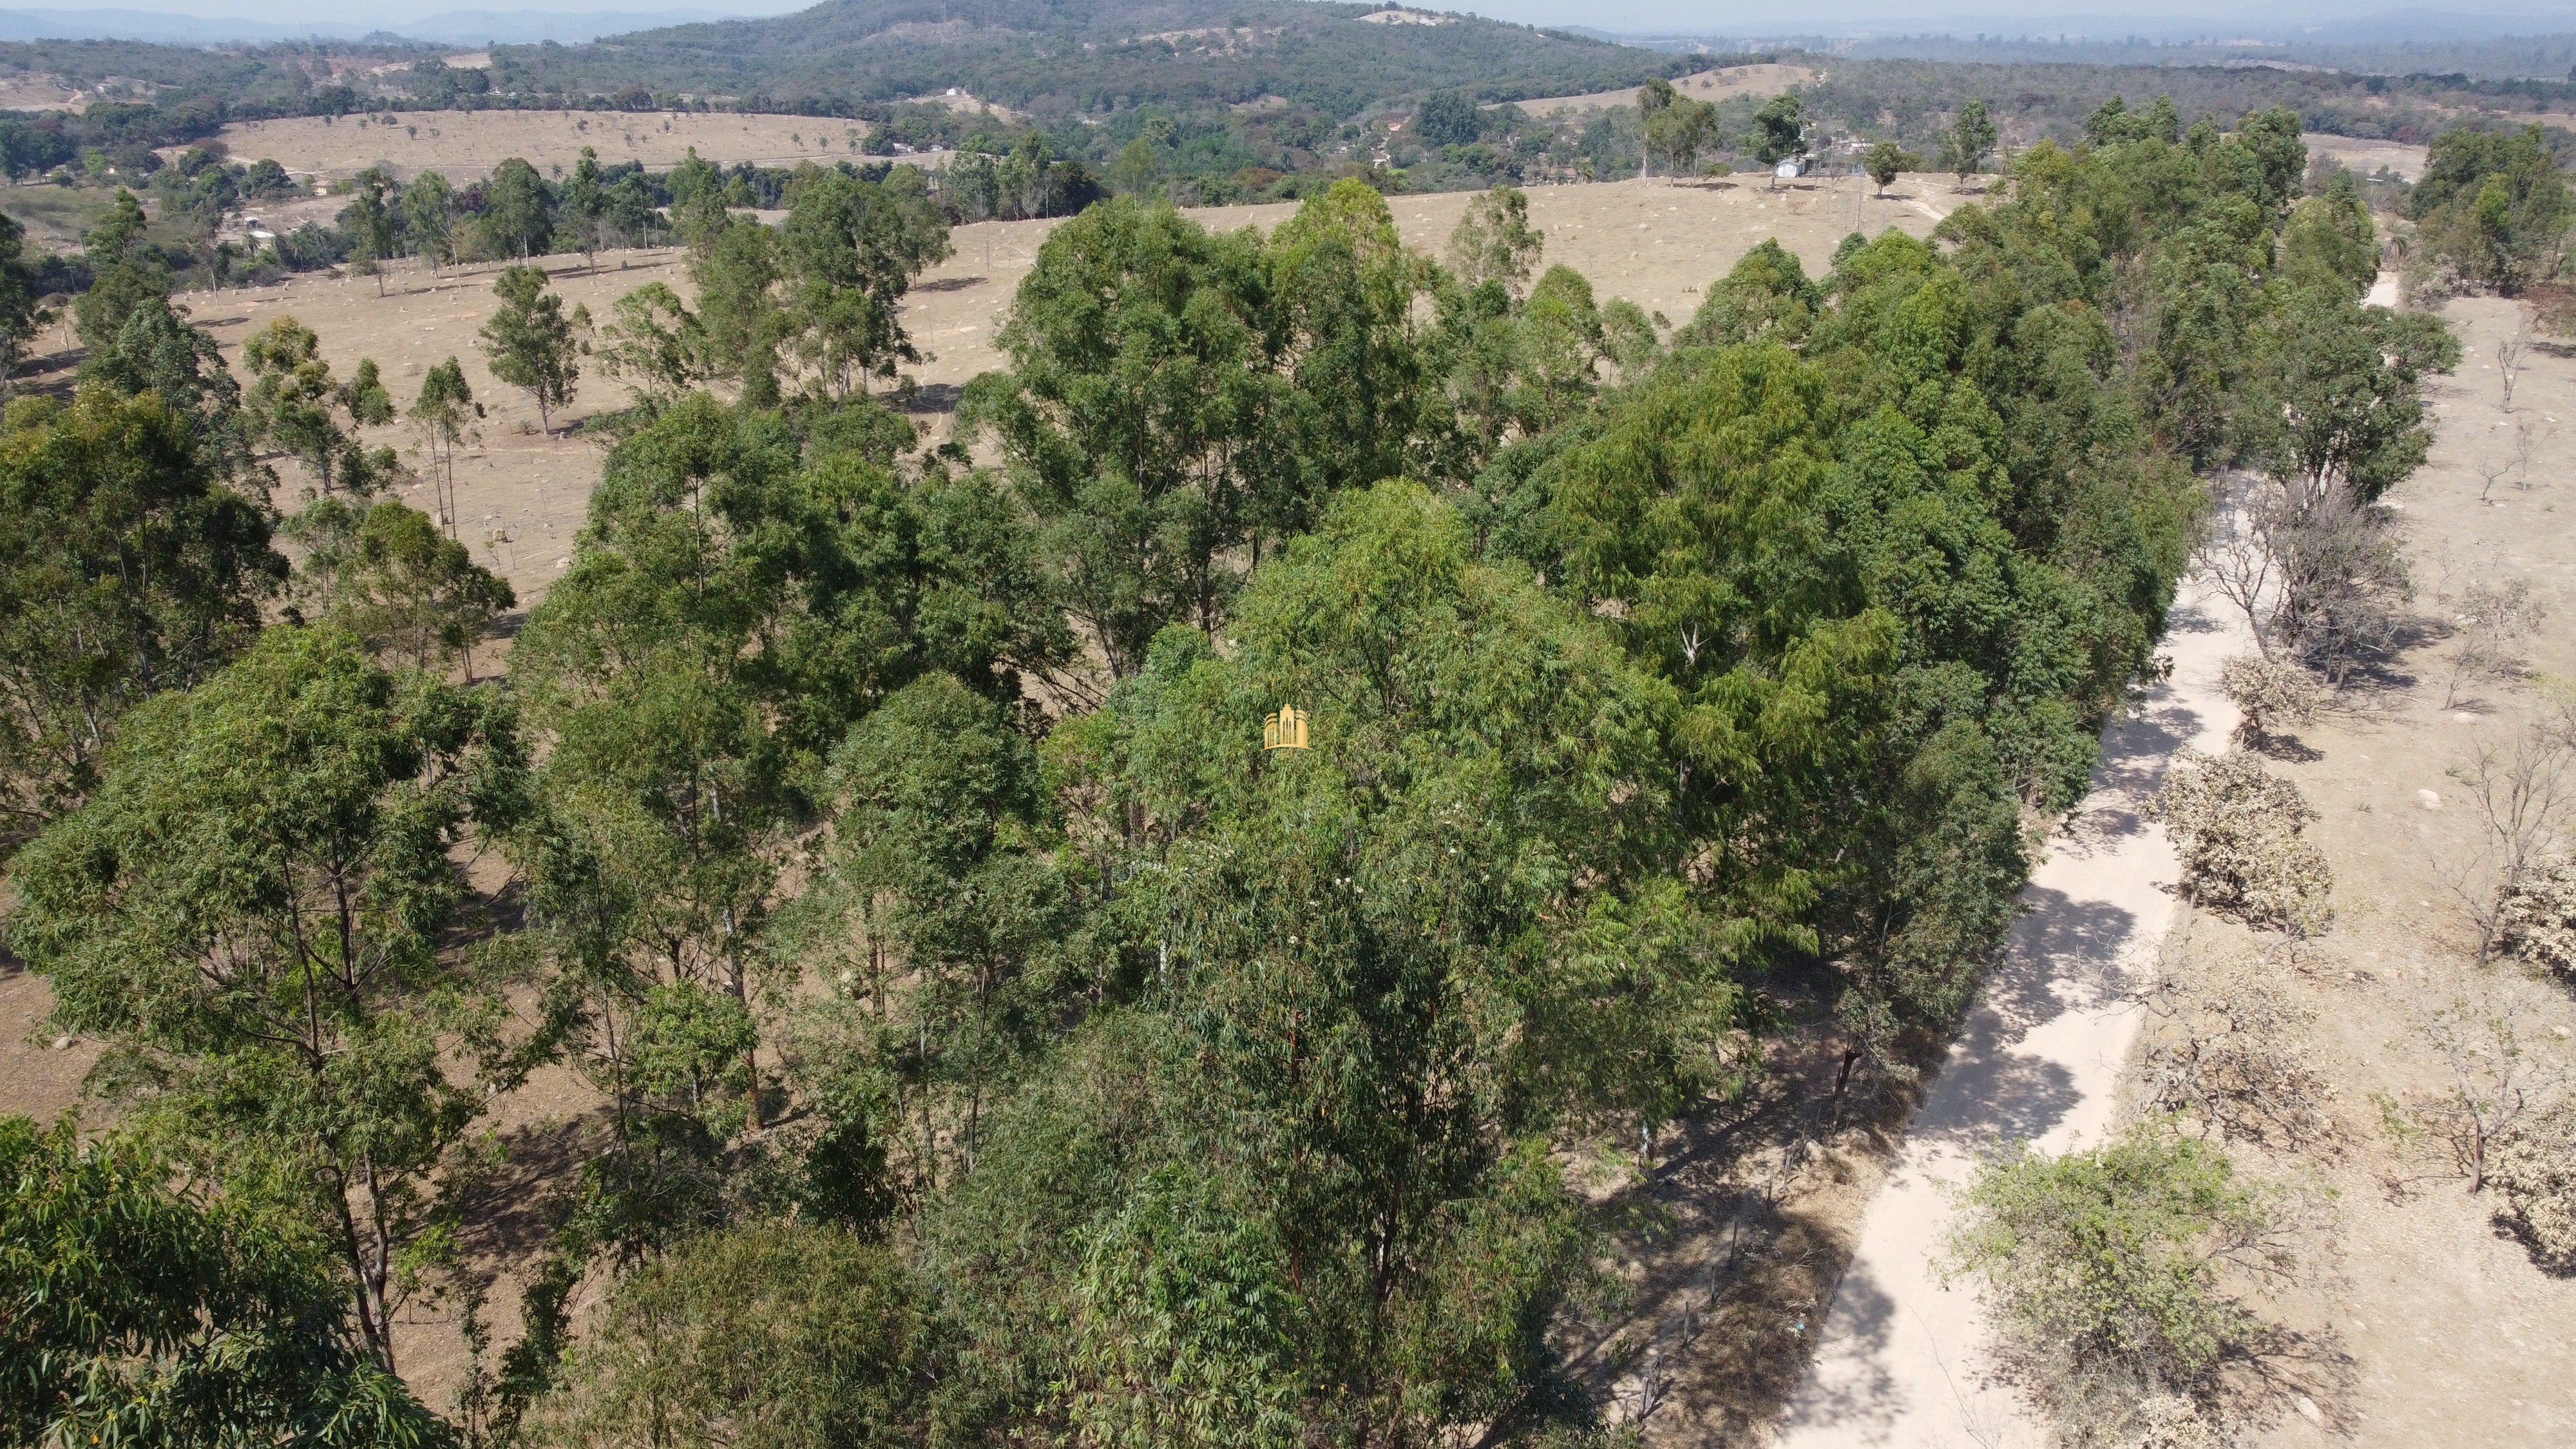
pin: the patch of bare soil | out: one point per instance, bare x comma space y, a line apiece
2367, 156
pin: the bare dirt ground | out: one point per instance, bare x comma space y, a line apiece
465, 145
1722, 83
2454, 1336
28, 92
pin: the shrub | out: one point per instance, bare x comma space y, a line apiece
2535, 1173
2235, 1055
2269, 693
2103, 1270
2538, 918
2238, 827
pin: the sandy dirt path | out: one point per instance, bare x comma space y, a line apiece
1903, 1360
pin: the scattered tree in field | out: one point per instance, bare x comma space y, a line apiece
369, 222
654, 342
429, 216
251, 906
2239, 828
530, 344
2501, 1085
1969, 140
296, 407
444, 416
1780, 131
583, 209
1494, 241
1886, 161
2269, 694
140, 1313
2490, 624
2524, 792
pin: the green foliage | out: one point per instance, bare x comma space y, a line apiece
126, 570
655, 342
530, 344
136, 1313
1450, 890
778, 1336
851, 249
1766, 295
251, 906
1780, 130
387, 574
158, 352
1966, 144
297, 408
1494, 241
2493, 206
1886, 160
2117, 1265
1141, 416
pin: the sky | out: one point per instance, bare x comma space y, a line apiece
393, 13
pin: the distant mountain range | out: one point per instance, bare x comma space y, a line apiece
455, 27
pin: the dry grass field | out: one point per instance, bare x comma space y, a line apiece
1720, 84
465, 145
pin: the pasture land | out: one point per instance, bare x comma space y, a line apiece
465, 145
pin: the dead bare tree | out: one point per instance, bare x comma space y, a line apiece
2523, 792
2509, 355
2490, 623
2497, 1082
2516, 462
2232, 1050
2340, 584
2236, 563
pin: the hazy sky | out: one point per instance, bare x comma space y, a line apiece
394, 12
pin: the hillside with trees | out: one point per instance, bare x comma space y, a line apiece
989, 1038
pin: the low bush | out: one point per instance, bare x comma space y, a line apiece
2103, 1269
2239, 827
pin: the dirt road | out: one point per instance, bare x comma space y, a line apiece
1904, 1360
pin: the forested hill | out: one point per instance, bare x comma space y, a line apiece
1089, 55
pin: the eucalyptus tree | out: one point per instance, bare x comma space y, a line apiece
252, 907
851, 248
144, 1312
1141, 417
531, 344
127, 569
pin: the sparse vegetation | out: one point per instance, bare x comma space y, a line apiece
2269, 694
